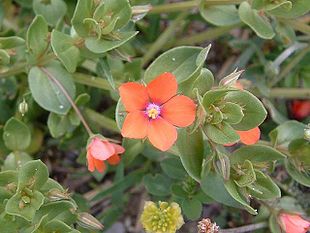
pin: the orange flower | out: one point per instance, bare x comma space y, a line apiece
154, 110
300, 109
100, 150
293, 223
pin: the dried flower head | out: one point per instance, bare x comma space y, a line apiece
161, 218
206, 226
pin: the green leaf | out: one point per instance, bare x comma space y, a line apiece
256, 154
53, 11
213, 186
233, 190
157, 185
253, 110
192, 208
189, 145
8, 184
173, 168
17, 207
16, 135
287, 132
271, 5
100, 46
255, 21
223, 15
133, 149
111, 10
177, 190
248, 176
104, 70
15, 160
32, 175
300, 150
232, 112
64, 47
11, 42
56, 226
300, 176
37, 36
299, 8
184, 62
212, 96
84, 9
264, 188
58, 125
204, 81
4, 57
221, 133
46, 93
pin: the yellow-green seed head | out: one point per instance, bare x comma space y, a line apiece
161, 218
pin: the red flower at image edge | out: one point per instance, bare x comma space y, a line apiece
99, 151
300, 109
293, 223
154, 111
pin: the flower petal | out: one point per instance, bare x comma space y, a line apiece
90, 163
114, 160
179, 111
161, 134
100, 149
99, 165
162, 88
135, 125
134, 96
118, 149
249, 137
294, 223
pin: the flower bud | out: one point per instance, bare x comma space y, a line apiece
57, 195
88, 221
163, 217
23, 107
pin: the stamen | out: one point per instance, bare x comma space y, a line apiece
152, 111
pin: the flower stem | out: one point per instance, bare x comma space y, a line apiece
291, 65
187, 5
290, 93
247, 228
162, 39
209, 34
66, 94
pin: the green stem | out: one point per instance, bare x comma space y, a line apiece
209, 34
101, 120
247, 228
291, 65
187, 5
68, 97
92, 81
290, 93
162, 39
17, 69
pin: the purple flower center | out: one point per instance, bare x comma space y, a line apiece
152, 111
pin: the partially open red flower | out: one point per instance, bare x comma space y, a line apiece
293, 223
300, 109
99, 151
155, 110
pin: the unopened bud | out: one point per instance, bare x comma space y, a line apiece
57, 195
23, 107
88, 221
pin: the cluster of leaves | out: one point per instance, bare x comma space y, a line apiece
32, 202
69, 47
